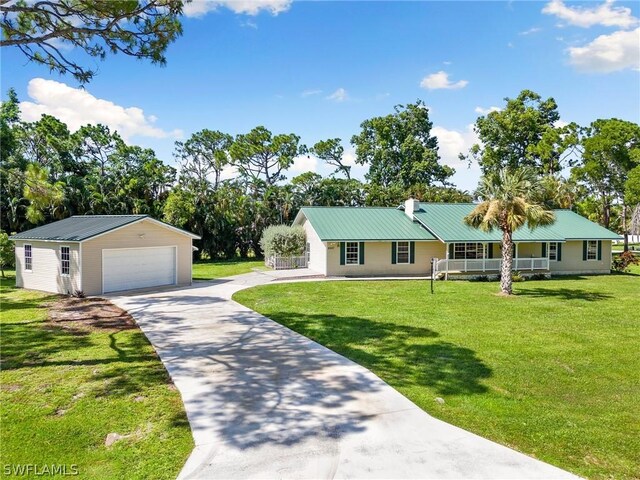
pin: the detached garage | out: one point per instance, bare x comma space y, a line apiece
99, 254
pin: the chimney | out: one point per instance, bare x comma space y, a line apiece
411, 206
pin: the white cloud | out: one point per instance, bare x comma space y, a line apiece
340, 95
249, 24
440, 80
604, 14
305, 163
199, 8
510, 45
77, 107
309, 93
532, 30
608, 53
228, 173
349, 156
560, 123
452, 143
486, 111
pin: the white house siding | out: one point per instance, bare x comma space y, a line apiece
46, 274
377, 260
318, 256
525, 250
139, 235
572, 262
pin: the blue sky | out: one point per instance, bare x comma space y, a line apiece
319, 69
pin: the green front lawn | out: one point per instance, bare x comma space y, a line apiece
553, 372
64, 389
208, 269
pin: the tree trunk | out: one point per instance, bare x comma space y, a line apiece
507, 263
606, 215
624, 228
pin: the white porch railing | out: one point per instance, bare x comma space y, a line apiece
490, 265
286, 263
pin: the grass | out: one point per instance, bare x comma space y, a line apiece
552, 372
63, 390
208, 269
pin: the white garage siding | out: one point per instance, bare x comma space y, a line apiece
46, 271
318, 250
142, 234
132, 268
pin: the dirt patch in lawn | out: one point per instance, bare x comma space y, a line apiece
83, 315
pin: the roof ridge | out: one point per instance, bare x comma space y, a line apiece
350, 207
106, 216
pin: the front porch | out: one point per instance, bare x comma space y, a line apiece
489, 265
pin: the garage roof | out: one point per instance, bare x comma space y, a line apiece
362, 223
83, 227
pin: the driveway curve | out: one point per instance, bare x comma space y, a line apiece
266, 402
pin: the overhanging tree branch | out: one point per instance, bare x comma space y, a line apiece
141, 29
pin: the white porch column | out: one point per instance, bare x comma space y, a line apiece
484, 257
446, 256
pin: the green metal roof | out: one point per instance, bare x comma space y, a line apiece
445, 221
77, 228
83, 227
334, 224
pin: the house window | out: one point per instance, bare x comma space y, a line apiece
308, 252
592, 250
65, 260
402, 252
463, 251
553, 251
352, 253
28, 258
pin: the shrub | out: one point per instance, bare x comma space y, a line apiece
539, 276
479, 278
283, 241
517, 277
622, 262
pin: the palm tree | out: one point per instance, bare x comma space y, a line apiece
508, 204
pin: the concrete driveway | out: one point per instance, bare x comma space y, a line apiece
265, 402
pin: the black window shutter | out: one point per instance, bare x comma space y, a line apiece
490, 250
584, 250
559, 252
599, 250
361, 245
343, 253
450, 251
544, 249
412, 252
394, 247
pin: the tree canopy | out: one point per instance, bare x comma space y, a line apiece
611, 150
400, 150
526, 133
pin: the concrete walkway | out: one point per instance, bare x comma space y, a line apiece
265, 402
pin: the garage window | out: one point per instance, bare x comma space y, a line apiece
28, 259
353, 253
65, 260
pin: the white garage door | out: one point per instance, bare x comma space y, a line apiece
131, 268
